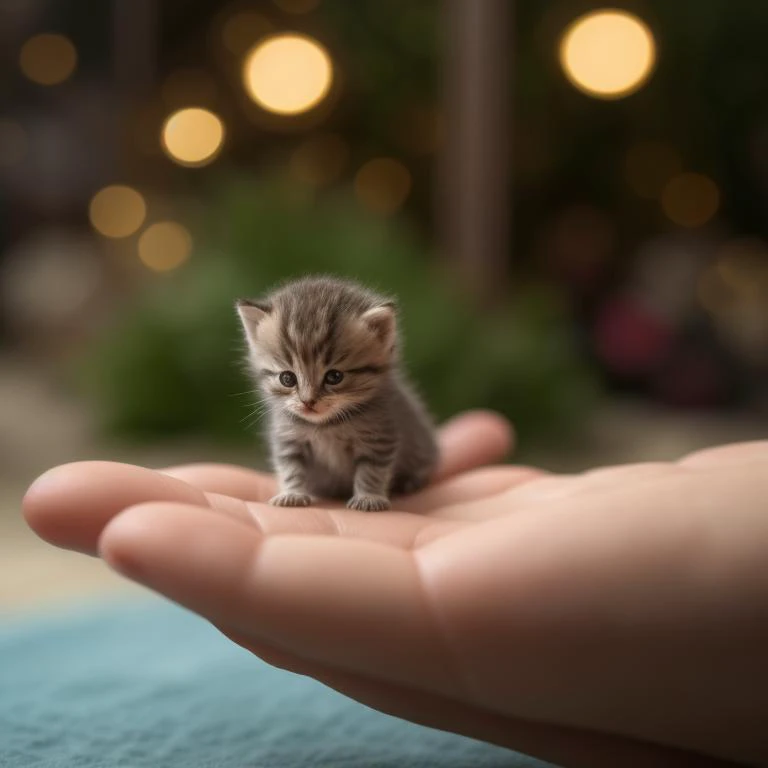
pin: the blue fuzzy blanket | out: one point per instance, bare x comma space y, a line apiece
151, 685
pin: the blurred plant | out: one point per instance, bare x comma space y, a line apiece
171, 362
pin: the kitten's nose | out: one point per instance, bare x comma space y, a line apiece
309, 403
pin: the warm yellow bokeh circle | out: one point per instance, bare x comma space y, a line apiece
288, 74
608, 54
117, 211
193, 136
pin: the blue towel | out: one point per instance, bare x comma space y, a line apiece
149, 684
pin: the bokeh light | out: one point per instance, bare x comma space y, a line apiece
165, 246
382, 185
297, 7
608, 54
117, 211
193, 136
649, 165
48, 59
319, 160
13, 143
690, 199
288, 74
242, 30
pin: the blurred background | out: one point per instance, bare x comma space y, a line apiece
568, 200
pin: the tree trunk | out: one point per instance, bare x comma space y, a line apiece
473, 196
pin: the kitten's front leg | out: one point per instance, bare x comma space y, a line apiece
290, 461
373, 476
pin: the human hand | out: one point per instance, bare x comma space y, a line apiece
515, 607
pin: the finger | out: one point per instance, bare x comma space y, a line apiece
556, 744
69, 505
723, 455
467, 441
471, 440
352, 604
227, 479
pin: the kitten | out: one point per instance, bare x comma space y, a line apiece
344, 423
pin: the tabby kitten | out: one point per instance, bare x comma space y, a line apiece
343, 422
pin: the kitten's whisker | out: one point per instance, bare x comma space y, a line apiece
258, 411
255, 421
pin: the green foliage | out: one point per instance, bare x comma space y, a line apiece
171, 362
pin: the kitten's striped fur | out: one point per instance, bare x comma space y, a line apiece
363, 438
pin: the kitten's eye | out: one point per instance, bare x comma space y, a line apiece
333, 377
288, 379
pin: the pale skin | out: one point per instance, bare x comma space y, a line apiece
613, 618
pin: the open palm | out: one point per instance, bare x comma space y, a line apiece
560, 616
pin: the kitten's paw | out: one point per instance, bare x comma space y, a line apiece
369, 503
291, 500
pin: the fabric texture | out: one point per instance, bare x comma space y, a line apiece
149, 684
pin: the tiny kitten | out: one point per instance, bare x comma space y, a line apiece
343, 422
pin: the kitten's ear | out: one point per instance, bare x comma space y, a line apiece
382, 320
251, 314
